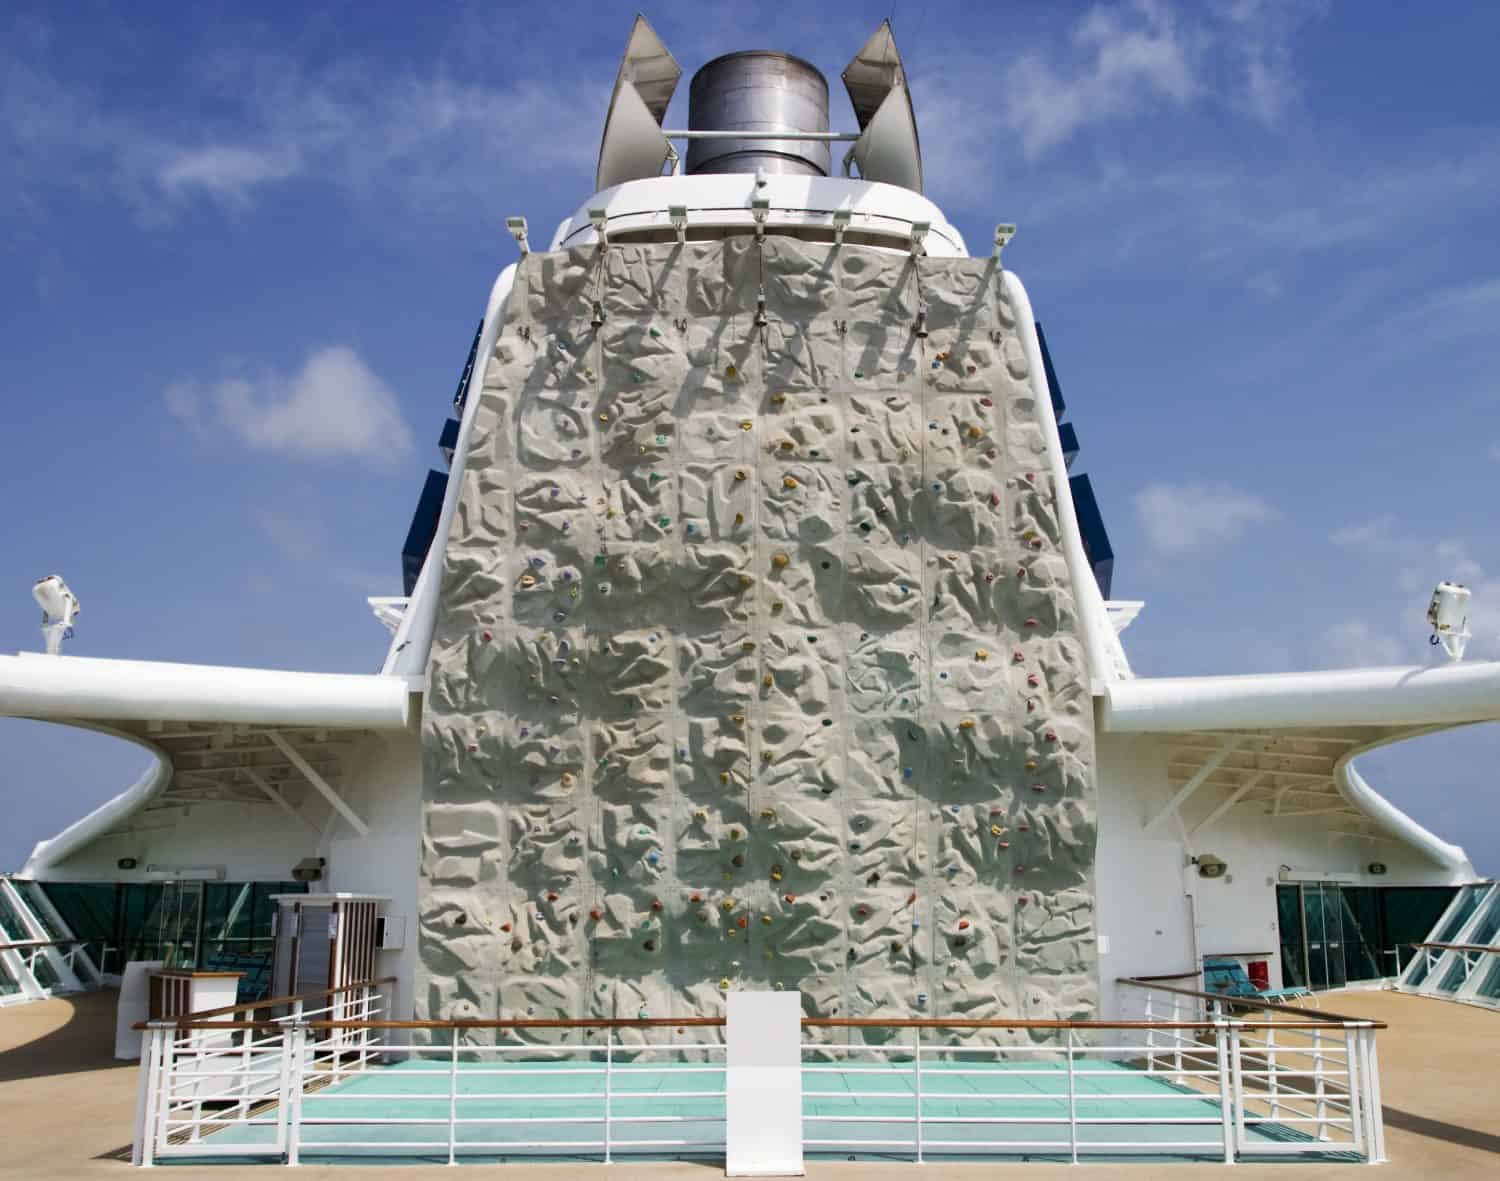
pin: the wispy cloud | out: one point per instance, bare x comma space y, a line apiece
260, 119
334, 407
1356, 643
1177, 518
1122, 62
230, 174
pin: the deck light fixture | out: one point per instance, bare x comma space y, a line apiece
599, 219
678, 214
1004, 232
918, 237
1448, 612
517, 228
59, 608
841, 218
760, 209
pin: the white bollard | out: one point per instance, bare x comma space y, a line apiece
763, 1085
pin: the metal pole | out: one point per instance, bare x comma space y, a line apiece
1072, 1101
1377, 1111
1151, 1034
917, 1066
143, 1153
1226, 1117
609, 1082
1318, 1088
1353, 1086
168, 1069
294, 1114
813, 136
284, 1094
1271, 1089
453, 1096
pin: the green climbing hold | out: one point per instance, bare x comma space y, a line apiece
600, 560
665, 521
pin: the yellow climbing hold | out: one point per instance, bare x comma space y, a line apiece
975, 433
996, 831
768, 680
982, 654
729, 904
747, 646
768, 813
789, 482
724, 984
787, 445
603, 417
746, 580
737, 719
777, 606
778, 399
746, 425
966, 724
780, 560
723, 776
739, 474
765, 918
731, 371
527, 580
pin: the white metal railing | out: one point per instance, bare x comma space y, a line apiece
1306, 1072
1225, 1087
281, 1097
37, 949
1189, 1079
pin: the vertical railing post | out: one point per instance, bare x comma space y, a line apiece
609, 1088
297, 1038
1072, 1100
1271, 1083
168, 1078
1375, 1113
1151, 1033
148, 1094
1226, 1113
453, 1095
1177, 1037
284, 1090
1319, 1089
247, 1064
1353, 1086
917, 1068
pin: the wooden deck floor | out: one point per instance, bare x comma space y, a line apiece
68, 1107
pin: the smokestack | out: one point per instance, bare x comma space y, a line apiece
758, 90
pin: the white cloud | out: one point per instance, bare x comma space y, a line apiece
1356, 644
228, 173
1181, 517
1128, 60
334, 406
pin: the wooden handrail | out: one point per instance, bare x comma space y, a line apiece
1461, 947
1167, 976
251, 1006
807, 1022
1250, 1002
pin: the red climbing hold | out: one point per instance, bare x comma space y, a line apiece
596, 915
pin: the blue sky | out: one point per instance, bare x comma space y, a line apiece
245, 248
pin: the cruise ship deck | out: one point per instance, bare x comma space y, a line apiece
70, 1106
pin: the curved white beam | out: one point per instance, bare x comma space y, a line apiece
1439, 696
107, 815
408, 652
1397, 823
83, 688
1093, 616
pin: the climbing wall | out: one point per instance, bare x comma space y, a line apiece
757, 661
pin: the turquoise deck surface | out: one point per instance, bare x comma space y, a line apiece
418, 1090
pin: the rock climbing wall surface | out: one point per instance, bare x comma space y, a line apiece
757, 661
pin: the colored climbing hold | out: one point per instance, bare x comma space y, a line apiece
982, 654
789, 482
